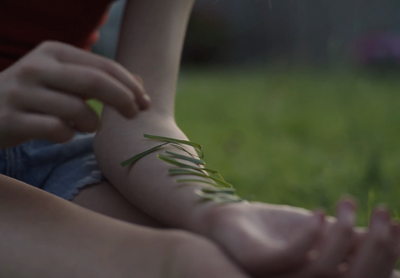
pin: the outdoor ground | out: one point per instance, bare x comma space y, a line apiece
300, 138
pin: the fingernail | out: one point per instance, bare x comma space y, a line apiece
145, 104
381, 217
147, 98
346, 211
384, 215
347, 205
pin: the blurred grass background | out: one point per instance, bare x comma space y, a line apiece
303, 138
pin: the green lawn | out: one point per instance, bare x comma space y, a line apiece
303, 139
300, 138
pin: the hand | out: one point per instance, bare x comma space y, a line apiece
277, 240
265, 239
43, 94
375, 258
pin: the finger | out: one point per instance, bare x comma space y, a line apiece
395, 231
72, 55
139, 79
336, 242
359, 238
28, 126
393, 250
67, 107
371, 260
91, 83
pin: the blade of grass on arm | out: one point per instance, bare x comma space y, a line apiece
139, 156
183, 165
219, 197
187, 158
197, 180
194, 159
197, 147
195, 173
179, 147
219, 190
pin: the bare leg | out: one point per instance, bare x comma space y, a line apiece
105, 199
43, 236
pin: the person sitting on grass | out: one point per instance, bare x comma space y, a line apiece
60, 216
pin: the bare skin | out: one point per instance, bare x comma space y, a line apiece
335, 242
45, 236
39, 101
150, 45
105, 199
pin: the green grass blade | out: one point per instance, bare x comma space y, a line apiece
219, 175
183, 165
209, 170
179, 147
197, 180
219, 197
139, 156
198, 147
221, 192
187, 158
191, 172
209, 190
173, 161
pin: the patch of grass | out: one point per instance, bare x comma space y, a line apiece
298, 138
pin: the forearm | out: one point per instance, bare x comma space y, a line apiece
150, 46
147, 183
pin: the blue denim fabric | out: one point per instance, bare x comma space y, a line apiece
61, 169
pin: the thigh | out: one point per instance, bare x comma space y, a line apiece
45, 236
105, 199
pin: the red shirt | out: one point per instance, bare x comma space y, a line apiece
26, 23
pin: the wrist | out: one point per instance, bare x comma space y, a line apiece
215, 216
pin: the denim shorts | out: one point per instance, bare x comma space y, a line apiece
60, 169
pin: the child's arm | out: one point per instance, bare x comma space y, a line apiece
257, 236
150, 46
